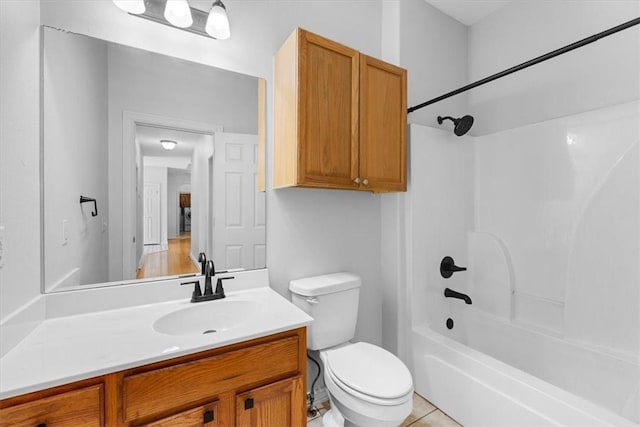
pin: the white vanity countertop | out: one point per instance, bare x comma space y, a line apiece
71, 348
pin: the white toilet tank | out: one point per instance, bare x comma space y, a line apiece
332, 301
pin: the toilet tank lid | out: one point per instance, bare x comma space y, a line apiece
325, 284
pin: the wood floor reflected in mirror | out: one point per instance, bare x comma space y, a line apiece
172, 261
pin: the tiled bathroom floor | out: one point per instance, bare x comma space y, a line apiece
424, 414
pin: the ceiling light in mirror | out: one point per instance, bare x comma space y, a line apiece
131, 6
168, 144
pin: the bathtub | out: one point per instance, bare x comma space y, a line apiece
477, 389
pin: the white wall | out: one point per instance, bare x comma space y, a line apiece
600, 74
433, 48
75, 122
19, 154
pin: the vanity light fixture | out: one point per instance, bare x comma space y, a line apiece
178, 14
168, 144
131, 6
218, 21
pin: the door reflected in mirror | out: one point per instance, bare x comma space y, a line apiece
168, 148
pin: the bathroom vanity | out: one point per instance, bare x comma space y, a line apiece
153, 365
256, 382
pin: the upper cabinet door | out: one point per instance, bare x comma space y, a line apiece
328, 75
383, 125
340, 118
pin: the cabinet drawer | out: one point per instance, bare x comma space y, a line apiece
205, 416
77, 408
187, 383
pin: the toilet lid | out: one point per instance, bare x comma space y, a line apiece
370, 370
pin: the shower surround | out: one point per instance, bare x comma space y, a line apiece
547, 219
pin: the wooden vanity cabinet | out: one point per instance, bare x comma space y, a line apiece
340, 117
260, 382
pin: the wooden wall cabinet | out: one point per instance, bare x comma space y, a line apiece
255, 383
340, 117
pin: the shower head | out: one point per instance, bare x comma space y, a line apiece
461, 125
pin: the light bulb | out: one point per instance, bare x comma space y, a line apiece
178, 13
131, 6
168, 144
218, 22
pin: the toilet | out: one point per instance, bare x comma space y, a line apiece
367, 385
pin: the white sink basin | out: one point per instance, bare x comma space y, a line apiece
208, 317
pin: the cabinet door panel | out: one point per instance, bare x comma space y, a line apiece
77, 408
277, 404
328, 113
383, 125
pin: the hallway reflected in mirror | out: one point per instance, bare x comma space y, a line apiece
175, 260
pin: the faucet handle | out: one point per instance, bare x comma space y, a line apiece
196, 289
219, 288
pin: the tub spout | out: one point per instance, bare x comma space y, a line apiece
450, 293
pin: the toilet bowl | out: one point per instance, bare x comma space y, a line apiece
367, 385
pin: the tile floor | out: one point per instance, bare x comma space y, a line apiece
424, 414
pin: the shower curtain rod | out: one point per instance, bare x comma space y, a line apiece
531, 62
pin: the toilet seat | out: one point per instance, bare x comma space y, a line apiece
370, 373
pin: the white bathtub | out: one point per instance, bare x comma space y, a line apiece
479, 390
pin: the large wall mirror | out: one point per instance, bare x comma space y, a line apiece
148, 161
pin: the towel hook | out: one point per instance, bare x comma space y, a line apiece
84, 199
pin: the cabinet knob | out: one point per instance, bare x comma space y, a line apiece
248, 403
365, 181
357, 180
42, 425
208, 417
